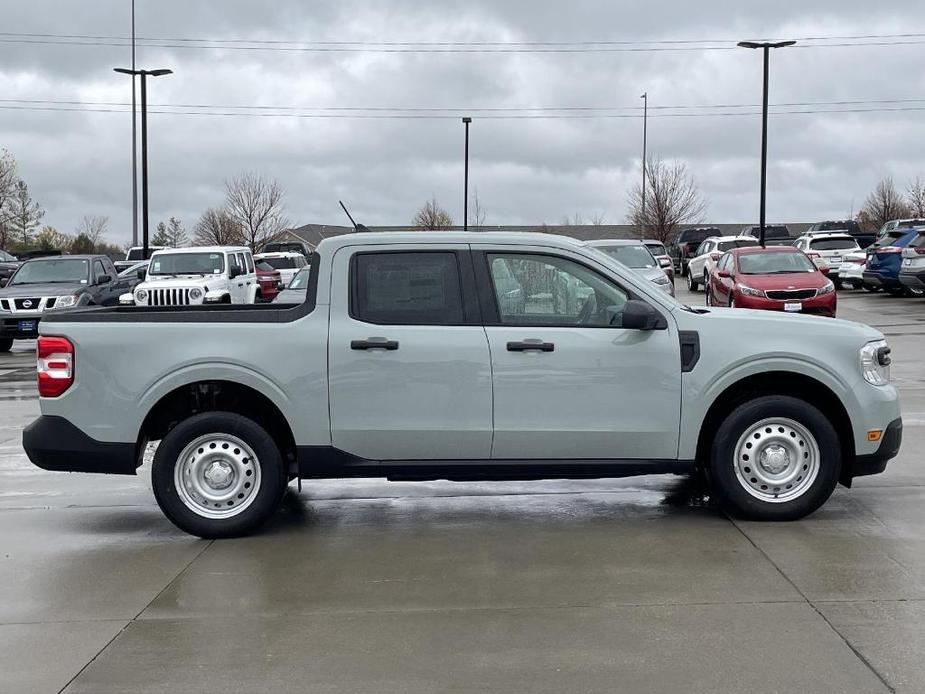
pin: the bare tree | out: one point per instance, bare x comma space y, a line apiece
216, 228
432, 216
7, 189
172, 233
672, 200
477, 215
575, 220
597, 219
93, 227
915, 197
25, 213
256, 205
883, 204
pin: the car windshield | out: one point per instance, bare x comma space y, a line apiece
280, 263
132, 271
738, 243
262, 266
300, 281
6, 257
64, 270
187, 264
833, 244
774, 263
633, 256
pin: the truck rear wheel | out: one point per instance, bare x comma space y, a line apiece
218, 474
6, 344
775, 458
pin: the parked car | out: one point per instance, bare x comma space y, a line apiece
296, 291
687, 242
288, 247
54, 284
269, 280
706, 256
912, 274
8, 265
404, 363
195, 276
827, 250
287, 262
136, 254
774, 234
636, 256
851, 270
884, 261
658, 249
774, 278
897, 225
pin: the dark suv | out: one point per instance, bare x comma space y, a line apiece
682, 250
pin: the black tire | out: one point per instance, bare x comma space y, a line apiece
6, 344
837, 282
873, 289
270, 468
734, 496
691, 282
895, 291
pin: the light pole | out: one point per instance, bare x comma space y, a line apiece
144, 145
466, 120
645, 127
767, 46
134, 144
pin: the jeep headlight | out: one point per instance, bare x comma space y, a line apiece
875, 362
66, 301
141, 295
195, 293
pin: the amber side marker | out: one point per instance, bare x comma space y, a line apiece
874, 434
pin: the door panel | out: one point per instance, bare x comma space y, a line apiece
427, 394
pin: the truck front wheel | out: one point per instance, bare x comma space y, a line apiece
775, 458
218, 474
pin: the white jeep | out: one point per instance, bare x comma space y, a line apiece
191, 276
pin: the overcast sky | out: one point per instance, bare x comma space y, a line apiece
525, 170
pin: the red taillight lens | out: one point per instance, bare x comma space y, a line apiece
920, 250
55, 365
890, 249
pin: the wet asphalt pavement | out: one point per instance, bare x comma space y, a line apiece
632, 585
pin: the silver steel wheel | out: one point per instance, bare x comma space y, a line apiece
691, 285
217, 476
777, 460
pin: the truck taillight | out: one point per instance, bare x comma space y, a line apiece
890, 249
55, 365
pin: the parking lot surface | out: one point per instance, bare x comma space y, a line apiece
635, 585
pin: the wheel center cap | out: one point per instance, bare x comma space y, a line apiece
774, 459
218, 475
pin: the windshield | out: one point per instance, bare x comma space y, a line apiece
774, 263
187, 264
300, 281
695, 235
6, 257
832, 244
738, 243
280, 263
70, 270
636, 256
132, 270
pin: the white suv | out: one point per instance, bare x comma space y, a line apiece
711, 250
287, 263
827, 250
190, 276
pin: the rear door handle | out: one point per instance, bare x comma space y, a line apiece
375, 343
530, 346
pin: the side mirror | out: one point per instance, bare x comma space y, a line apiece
103, 279
5, 281
723, 274
639, 315
142, 274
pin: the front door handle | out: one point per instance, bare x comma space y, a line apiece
375, 343
530, 346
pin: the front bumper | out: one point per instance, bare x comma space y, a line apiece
914, 279
15, 325
875, 463
53, 443
876, 279
824, 305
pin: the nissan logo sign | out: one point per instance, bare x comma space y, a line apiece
27, 304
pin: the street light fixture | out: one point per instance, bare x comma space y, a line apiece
466, 120
645, 127
144, 143
766, 46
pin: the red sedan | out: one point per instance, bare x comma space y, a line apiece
778, 278
270, 282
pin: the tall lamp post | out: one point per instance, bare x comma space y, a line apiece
134, 144
144, 144
645, 127
766, 46
466, 120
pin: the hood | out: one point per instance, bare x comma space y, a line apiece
650, 273
40, 290
172, 282
801, 280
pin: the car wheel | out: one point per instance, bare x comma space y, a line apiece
871, 288
895, 291
708, 290
732, 301
775, 458
691, 282
909, 291
837, 283
218, 474
6, 344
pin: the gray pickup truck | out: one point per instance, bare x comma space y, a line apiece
458, 356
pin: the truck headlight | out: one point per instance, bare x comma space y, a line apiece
195, 294
66, 301
748, 291
875, 362
141, 295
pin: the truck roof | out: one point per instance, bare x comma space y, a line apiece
203, 249
523, 238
